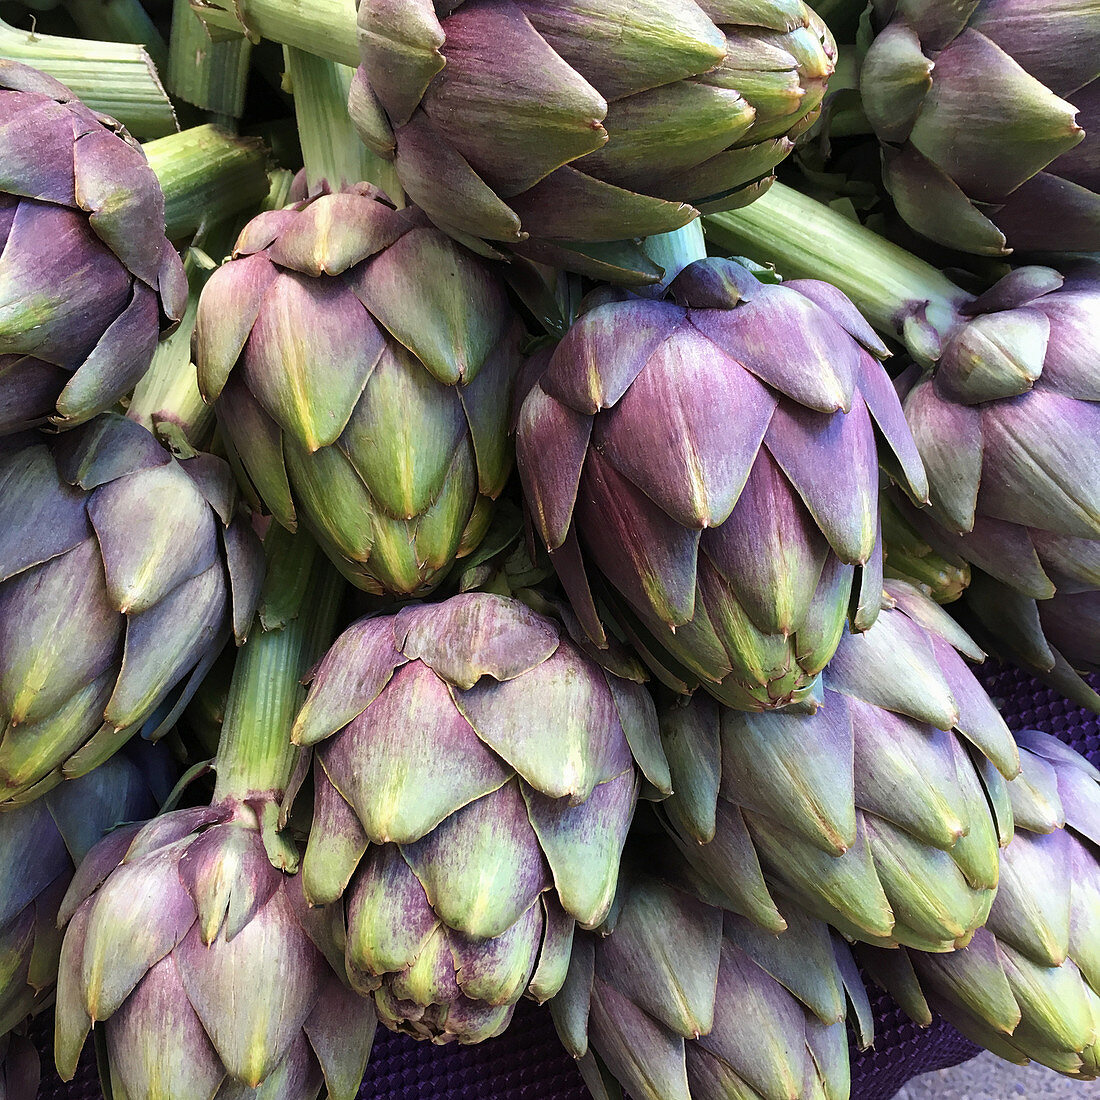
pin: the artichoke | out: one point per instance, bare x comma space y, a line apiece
714, 458
1008, 426
208, 971
553, 126
114, 599
678, 1000
478, 727
361, 363
40, 847
88, 280
882, 812
1028, 985
985, 111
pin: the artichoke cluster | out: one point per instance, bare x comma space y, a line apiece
530, 603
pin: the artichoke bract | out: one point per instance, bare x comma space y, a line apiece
714, 460
474, 781
207, 970
551, 125
882, 812
1028, 985
41, 846
88, 280
115, 599
986, 111
679, 1000
361, 366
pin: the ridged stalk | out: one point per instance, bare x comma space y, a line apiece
898, 293
331, 147
322, 27
119, 21
297, 621
116, 78
207, 175
211, 75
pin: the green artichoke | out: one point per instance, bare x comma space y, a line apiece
88, 280
553, 125
986, 111
1028, 985
208, 971
474, 780
882, 812
361, 366
678, 1000
123, 571
709, 465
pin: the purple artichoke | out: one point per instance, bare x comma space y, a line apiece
361, 366
1008, 426
41, 846
474, 781
551, 125
678, 1000
123, 571
208, 971
986, 111
881, 812
1028, 984
713, 461
88, 280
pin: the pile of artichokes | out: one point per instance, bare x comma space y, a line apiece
507, 498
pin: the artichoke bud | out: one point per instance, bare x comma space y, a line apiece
426, 744
775, 809
189, 917
1023, 179
719, 545
1014, 499
1025, 986
676, 1027
361, 366
117, 601
88, 281
43, 843
623, 120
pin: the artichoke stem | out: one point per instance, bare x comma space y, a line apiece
297, 621
901, 295
322, 27
211, 75
331, 147
673, 252
167, 400
116, 78
207, 175
119, 21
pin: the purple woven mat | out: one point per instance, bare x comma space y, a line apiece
527, 1062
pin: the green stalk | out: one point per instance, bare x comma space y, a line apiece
673, 252
255, 756
167, 401
119, 21
210, 75
115, 78
331, 147
207, 175
322, 27
898, 293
